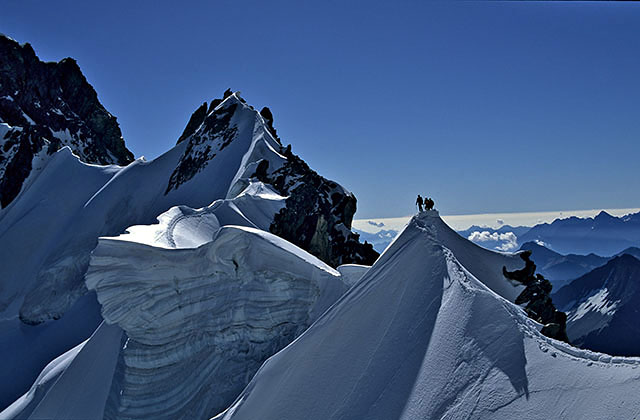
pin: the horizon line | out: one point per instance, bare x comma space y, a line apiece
490, 220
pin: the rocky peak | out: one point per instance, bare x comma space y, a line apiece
46, 106
318, 212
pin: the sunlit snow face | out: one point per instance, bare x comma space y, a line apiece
596, 303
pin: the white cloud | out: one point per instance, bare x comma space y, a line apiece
507, 241
372, 223
508, 246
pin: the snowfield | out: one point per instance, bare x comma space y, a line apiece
420, 337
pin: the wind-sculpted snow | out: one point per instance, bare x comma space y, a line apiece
200, 320
184, 227
420, 337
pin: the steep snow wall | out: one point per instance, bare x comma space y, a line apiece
420, 337
200, 321
48, 232
197, 320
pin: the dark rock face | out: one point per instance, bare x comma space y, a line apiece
217, 133
45, 106
195, 121
268, 117
537, 296
318, 213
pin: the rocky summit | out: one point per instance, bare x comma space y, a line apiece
44, 107
318, 212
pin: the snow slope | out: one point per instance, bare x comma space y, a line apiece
49, 397
421, 337
481, 262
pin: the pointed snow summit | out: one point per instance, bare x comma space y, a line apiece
423, 335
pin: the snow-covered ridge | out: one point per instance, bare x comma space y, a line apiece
202, 304
445, 346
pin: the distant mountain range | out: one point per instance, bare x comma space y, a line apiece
603, 307
561, 269
603, 234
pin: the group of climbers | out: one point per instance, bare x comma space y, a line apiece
427, 203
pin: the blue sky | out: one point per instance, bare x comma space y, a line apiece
485, 106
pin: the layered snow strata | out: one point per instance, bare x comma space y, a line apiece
199, 321
420, 337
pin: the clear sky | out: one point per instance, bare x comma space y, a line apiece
485, 106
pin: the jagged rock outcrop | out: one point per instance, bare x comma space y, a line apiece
268, 117
537, 296
43, 107
318, 212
